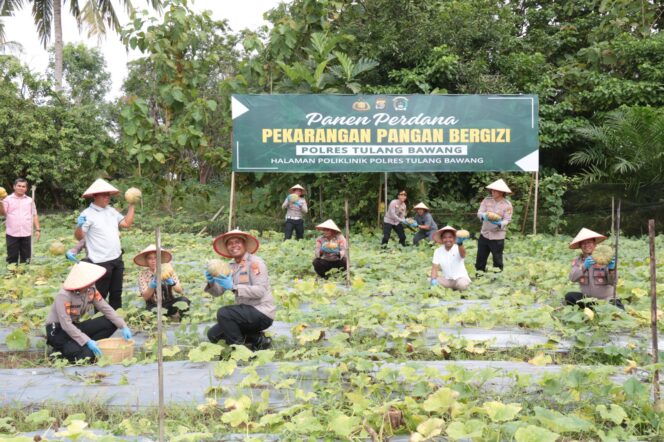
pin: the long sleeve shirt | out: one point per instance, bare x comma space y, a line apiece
144, 278
294, 211
426, 220
504, 209
20, 213
595, 282
322, 240
69, 307
252, 285
396, 212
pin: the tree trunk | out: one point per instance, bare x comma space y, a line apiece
57, 28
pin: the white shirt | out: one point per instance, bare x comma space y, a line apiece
102, 233
450, 262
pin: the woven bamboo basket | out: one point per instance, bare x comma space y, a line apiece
116, 349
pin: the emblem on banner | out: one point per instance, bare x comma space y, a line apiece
381, 103
361, 105
400, 103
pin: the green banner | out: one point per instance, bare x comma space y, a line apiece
385, 133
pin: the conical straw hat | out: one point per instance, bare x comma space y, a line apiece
100, 186
82, 275
141, 258
500, 186
219, 243
329, 224
583, 235
421, 206
297, 187
437, 236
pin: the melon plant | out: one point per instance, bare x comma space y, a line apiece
217, 267
603, 254
463, 234
56, 248
293, 198
133, 195
493, 216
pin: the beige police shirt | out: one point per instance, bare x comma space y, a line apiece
396, 212
504, 209
595, 282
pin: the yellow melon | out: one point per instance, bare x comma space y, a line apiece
217, 267
3, 193
166, 271
492, 216
293, 197
332, 245
56, 248
463, 234
133, 195
603, 254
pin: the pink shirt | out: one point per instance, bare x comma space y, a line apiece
19, 212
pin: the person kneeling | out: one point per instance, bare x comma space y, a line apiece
450, 258
330, 249
147, 283
65, 332
254, 312
595, 280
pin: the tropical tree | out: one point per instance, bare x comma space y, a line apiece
96, 15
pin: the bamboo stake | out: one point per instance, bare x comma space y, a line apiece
211, 219
613, 215
653, 308
530, 194
615, 286
160, 344
32, 237
231, 207
535, 202
320, 202
348, 281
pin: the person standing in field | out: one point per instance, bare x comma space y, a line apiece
426, 226
296, 207
21, 214
495, 212
331, 249
395, 218
595, 280
100, 224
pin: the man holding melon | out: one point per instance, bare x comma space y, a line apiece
331, 249
449, 258
296, 207
594, 270
425, 224
495, 212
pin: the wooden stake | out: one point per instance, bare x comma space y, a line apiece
535, 202
653, 308
231, 207
385, 192
615, 286
348, 281
320, 202
613, 215
160, 344
530, 194
32, 237
380, 196
211, 219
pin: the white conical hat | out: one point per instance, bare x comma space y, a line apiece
329, 224
421, 206
82, 275
141, 258
500, 186
219, 243
297, 187
583, 235
100, 186
439, 233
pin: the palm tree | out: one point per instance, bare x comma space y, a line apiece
96, 15
627, 149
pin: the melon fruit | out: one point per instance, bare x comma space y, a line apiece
133, 195
603, 254
217, 267
492, 216
332, 245
410, 220
166, 271
3, 193
293, 197
463, 234
56, 248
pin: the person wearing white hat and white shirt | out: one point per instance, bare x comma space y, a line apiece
100, 224
331, 249
65, 332
449, 257
595, 281
254, 311
492, 234
425, 224
295, 210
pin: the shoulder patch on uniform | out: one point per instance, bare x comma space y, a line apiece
255, 267
98, 296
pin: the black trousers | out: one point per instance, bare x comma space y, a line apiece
18, 249
294, 224
322, 266
575, 298
238, 324
96, 329
387, 230
171, 309
110, 285
486, 246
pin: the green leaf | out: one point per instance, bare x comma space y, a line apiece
441, 400
212, 105
431, 428
533, 433
39, 418
17, 340
343, 425
235, 417
499, 412
205, 352
224, 368
614, 413
465, 430
635, 390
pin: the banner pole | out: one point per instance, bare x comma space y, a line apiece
615, 286
231, 207
32, 237
613, 215
160, 344
653, 309
535, 202
530, 194
348, 282
380, 196
385, 191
